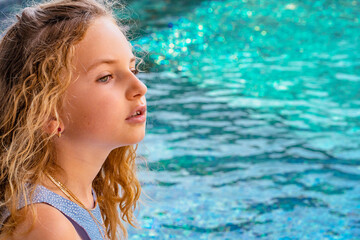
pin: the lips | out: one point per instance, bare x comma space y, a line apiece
141, 108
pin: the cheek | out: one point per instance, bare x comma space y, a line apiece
92, 113
93, 107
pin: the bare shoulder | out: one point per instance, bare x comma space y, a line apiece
50, 224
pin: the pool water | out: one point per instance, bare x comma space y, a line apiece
253, 127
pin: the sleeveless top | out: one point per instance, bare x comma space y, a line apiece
79, 217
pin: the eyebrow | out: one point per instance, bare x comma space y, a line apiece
106, 61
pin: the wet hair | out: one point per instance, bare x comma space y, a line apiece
36, 54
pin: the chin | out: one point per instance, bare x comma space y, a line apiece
132, 141
137, 141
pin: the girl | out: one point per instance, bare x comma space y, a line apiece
71, 110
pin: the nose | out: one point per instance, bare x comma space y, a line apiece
137, 88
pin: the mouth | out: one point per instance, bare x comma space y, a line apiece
138, 111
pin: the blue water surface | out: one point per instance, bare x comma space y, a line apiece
253, 127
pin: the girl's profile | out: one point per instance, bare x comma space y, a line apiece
72, 109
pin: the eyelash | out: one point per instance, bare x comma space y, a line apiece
135, 72
99, 80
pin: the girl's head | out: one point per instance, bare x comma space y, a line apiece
68, 65
105, 91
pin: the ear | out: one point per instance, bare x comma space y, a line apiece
51, 126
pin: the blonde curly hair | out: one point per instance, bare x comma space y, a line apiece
35, 70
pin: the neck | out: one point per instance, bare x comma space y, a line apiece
80, 167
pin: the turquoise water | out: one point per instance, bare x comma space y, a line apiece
253, 127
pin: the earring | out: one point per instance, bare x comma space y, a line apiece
59, 132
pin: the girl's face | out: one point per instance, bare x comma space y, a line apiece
104, 90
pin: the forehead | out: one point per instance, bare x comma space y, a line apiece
103, 39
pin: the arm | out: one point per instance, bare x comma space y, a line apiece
50, 224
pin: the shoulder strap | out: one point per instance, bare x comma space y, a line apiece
79, 217
71, 210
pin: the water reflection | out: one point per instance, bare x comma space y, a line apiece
253, 122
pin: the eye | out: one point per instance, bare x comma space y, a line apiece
134, 71
105, 78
